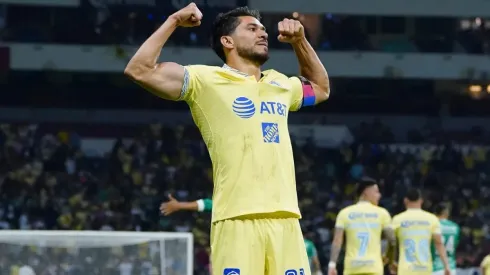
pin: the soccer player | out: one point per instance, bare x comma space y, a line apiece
450, 238
485, 266
363, 225
242, 114
206, 205
415, 229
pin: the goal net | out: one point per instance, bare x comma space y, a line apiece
95, 252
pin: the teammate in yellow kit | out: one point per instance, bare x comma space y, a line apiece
363, 225
415, 230
485, 266
242, 114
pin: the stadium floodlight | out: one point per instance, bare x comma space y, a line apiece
98, 252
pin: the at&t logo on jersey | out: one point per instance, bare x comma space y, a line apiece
243, 107
295, 272
231, 271
273, 108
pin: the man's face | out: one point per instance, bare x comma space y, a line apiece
250, 40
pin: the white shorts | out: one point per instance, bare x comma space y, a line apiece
441, 272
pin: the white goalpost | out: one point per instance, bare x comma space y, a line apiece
97, 252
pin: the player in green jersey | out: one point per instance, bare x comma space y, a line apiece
206, 205
450, 237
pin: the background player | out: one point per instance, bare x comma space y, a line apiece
206, 205
485, 266
363, 225
415, 230
450, 232
242, 113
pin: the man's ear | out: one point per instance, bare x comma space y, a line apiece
227, 42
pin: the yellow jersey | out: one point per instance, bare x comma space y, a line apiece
244, 124
363, 224
414, 229
485, 264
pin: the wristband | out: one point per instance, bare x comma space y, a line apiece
332, 265
200, 205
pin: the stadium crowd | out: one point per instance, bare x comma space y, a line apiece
48, 182
103, 25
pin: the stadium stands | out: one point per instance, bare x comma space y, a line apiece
48, 182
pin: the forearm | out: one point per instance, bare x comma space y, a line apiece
392, 250
146, 57
442, 253
316, 264
189, 206
311, 66
335, 252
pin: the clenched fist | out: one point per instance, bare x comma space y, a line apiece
290, 31
189, 16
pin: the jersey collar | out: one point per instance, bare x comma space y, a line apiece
226, 67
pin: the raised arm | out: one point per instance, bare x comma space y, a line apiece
162, 79
311, 67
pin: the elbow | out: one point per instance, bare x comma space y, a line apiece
323, 92
135, 72
131, 73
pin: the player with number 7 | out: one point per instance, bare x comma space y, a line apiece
363, 225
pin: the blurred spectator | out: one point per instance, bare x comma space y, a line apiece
48, 182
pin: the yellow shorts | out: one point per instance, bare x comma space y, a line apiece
258, 247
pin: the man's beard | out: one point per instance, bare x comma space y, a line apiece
250, 54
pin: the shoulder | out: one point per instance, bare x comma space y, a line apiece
347, 209
454, 224
275, 75
344, 211
433, 217
281, 79
398, 217
202, 69
383, 211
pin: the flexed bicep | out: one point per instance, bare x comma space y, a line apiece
166, 80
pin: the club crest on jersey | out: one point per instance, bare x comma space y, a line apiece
243, 107
231, 271
270, 132
275, 83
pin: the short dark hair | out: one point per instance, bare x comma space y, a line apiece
363, 184
226, 24
440, 208
413, 194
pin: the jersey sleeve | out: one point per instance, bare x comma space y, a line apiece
385, 219
436, 226
193, 83
341, 221
302, 93
310, 249
485, 262
208, 205
204, 205
395, 223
